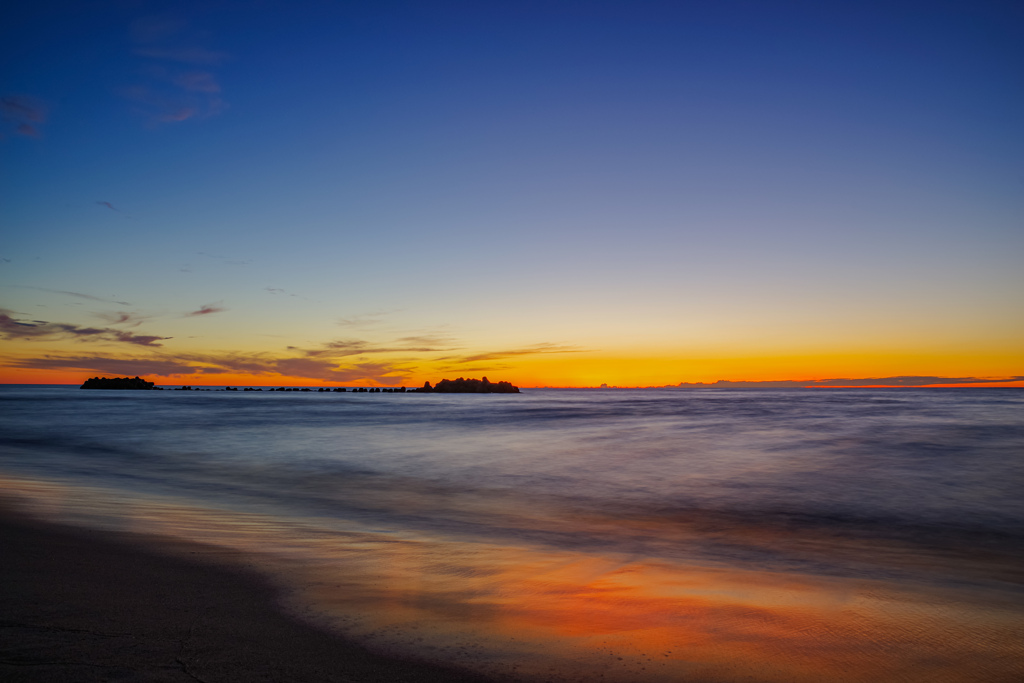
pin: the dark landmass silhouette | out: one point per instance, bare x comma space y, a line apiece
386, 390
321, 390
469, 386
118, 383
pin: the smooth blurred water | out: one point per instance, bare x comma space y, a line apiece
622, 470
638, 536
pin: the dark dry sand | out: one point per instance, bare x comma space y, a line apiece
81, 605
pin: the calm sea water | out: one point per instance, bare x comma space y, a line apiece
913, 490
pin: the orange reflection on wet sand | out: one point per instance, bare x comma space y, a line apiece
531, 611
666, 621
534, 612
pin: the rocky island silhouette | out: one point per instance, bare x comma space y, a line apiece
469, 386
118, 383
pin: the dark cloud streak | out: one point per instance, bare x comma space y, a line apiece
24, 113
206, 309
78, 295
105, 365
308, 368
524, 351
357, 347
11, 328
122, 318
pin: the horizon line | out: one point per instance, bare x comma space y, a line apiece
894, 382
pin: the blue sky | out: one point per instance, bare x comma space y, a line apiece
623, 179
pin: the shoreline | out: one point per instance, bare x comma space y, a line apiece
79, 604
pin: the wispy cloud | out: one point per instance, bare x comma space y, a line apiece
382, 373
365, 319
172, 92
122, 318
206, 309
429, 340
106, 365
281, 292
108, 205
340, 348
21, 107
11, 328
388, 374
356, 347
197, 81
414, 348
77, 295
522, 351
23, 113
252, 363
115, 318
159, 106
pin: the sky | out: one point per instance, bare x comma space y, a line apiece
559, 193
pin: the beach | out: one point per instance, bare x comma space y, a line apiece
84, 605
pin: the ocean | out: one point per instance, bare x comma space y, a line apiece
578, 535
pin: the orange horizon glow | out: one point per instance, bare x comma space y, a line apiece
71, 378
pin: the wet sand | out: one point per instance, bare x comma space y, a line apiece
83, 605
196, 594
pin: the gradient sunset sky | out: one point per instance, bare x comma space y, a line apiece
549, 193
